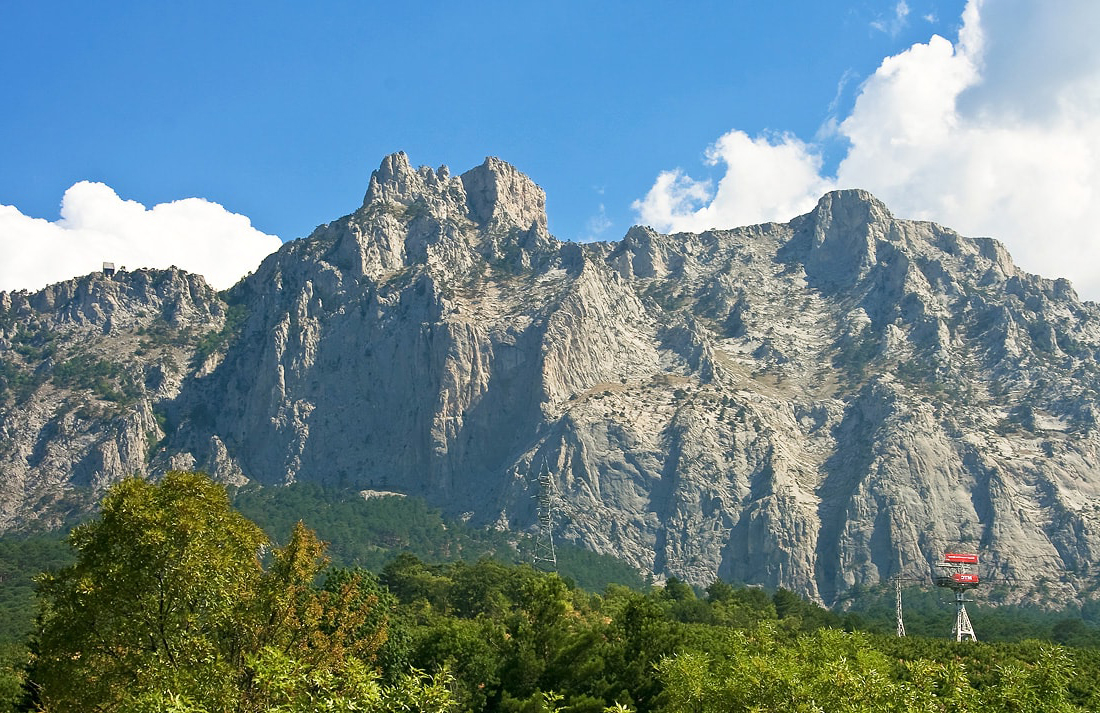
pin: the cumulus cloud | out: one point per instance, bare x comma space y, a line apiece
996, 133
766, 178
97, 226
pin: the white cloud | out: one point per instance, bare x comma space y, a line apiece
97, 226
767, 178
997, 133
895, 24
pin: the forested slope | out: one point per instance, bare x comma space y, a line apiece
167, 605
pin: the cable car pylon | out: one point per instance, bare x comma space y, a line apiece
958, 572
545, 557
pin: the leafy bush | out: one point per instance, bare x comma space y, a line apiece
170, 605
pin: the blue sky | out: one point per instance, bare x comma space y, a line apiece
279, 111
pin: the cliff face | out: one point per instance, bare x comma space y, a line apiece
791, 404
85, 366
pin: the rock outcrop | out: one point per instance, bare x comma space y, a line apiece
86, 367
796, 404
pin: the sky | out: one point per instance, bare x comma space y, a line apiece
203, 134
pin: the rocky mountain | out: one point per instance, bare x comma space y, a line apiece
798, 404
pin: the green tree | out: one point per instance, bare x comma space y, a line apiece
169, 606
153, 602
288, 686
13, 661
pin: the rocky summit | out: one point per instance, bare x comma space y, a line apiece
813, 404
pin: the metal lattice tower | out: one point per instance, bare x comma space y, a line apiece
897, 604
897, 598
545, 557
963, 629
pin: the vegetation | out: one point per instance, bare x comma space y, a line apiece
176, 601
361, 533
16, 381
106, 379
34, 343
929, 613
169, 606
856, 354
369, 533
219, 339
22, 557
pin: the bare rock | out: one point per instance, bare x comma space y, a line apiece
798, 404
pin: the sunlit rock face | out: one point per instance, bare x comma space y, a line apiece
802, 404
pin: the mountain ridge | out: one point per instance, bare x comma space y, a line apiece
795, 404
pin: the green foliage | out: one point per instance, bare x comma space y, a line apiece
169, 603
176, 602
369, 533
417, 209
22, 557
856, 354
153, 601
13, 663
17, 381
34, 344
830, 670
591, 571
928, 613
106, 379
285, 685
220, 339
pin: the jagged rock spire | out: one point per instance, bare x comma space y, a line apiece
494, 194
498, 193
396, 182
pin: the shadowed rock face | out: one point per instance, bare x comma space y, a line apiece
791, 404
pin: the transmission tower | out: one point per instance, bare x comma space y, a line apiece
897, 596
963, 629
897, 604
545, 557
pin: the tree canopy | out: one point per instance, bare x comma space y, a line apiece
178, 601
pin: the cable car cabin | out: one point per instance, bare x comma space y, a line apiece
958, 580
960, 558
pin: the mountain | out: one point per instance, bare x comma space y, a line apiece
800, 404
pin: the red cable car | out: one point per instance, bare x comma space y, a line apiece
960, 558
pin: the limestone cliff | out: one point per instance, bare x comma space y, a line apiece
791, 404
86, 367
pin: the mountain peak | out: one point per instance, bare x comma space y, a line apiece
842, 232
494, 194
395, 181
853, 202
392, 180
497, 192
